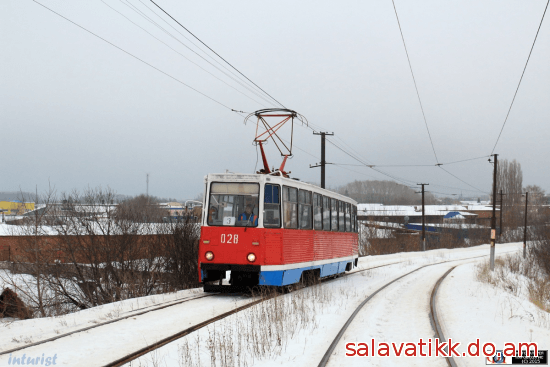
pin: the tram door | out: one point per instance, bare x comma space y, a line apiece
272, 223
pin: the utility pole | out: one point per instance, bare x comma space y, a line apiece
323, 162
525, 227
147, 186
494, 219
501, 211
423, 218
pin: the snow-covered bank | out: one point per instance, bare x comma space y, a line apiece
471, 309
304, 347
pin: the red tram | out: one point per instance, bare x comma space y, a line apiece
271, 230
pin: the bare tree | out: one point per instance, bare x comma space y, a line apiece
82, 250
510, 181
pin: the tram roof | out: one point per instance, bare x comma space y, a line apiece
250, 177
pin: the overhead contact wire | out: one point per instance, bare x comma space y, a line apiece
414, 80
135, 57
143, 15
227, 62
520, 79
461, 180
179, 53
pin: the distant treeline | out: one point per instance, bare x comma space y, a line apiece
15, 195
32, 197
384, 192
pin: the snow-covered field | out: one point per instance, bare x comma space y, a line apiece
298, 327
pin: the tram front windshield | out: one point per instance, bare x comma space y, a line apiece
233, 204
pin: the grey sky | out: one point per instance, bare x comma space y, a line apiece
78, 112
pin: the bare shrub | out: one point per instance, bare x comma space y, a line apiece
82, 250
515, 274
265, 330
12, 306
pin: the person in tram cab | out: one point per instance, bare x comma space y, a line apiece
212, 214
248, 216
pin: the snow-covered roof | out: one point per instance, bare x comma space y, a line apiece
409, 210
473, 202
450, 225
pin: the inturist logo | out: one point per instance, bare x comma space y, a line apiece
37, 361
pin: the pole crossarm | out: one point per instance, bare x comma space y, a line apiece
323, 163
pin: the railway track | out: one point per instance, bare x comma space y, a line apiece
433, 316
141, 352
60, 336
138, 353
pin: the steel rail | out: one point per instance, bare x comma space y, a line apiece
174, 303
435, 320
336, 340
130, 357
162, 342
134, 355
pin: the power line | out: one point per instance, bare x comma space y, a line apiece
416, 165
143, 15
520, 79
404, 181
401, 180
464, 160
414, 80
181, 25
193, 43
135, 57
179, 53
461, 180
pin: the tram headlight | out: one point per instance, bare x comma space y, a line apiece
209, 256
251, 257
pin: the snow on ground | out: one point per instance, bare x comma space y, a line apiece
471, 309
313, 317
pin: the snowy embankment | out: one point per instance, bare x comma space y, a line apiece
474, 310
297, 329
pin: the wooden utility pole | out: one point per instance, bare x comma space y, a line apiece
501, 213
494, 219
423, 218
525, 227
323, 162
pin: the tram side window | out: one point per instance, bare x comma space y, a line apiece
334, 214
272, 216
348, 217
317, 212
353, 227
304, 208
326, 213
290, 207
341, 220
356, 221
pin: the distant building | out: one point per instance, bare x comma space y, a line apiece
178, 212
15, 207
475, 213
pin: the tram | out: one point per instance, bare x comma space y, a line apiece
272, 230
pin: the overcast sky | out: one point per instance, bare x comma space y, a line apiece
77, 112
